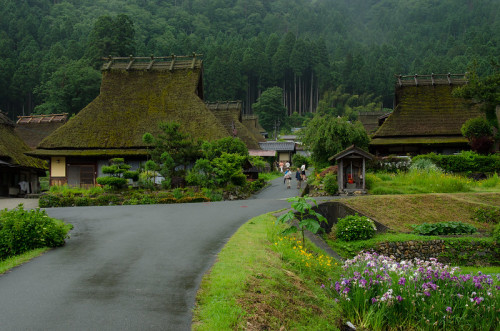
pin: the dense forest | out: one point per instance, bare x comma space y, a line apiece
311, 49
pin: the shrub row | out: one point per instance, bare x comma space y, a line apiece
57, 200
23, 230
467, 162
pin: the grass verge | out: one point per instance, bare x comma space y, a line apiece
12, 262
399, 212
264, 281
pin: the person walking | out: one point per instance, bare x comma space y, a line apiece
303, 171
298, 176
288, 178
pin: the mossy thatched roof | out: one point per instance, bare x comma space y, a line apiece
426, 111
133, 102
229, 114
251, 122
12, 148
33, 129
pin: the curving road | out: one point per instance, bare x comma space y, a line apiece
127, 267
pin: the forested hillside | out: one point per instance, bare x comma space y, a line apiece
49, 49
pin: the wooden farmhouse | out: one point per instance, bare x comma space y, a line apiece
229, 113
426, 117
18, 173
283, 150
136, 94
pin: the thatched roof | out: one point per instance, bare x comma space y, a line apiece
252, 123
425, 112
12, 148
132, 101
370, 120
34, 128
229, 114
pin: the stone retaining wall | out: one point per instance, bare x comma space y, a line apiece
463, 253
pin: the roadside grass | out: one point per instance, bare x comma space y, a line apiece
418, 181
261, 282
399, 212
268, 176
14, 261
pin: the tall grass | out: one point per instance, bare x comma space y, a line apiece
420, 181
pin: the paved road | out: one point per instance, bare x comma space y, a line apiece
126, 267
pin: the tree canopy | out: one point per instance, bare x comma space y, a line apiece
327, 135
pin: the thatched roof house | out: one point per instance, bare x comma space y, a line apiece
371, 119
136, 94
15, 166
229, 115
34, 128
252, 124
426, 117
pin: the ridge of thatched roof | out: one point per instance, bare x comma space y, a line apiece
12, 148
133, 102
160, 63
426, 110
229, 114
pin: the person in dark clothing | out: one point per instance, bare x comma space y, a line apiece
298, 176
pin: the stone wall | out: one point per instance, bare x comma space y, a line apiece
453, 251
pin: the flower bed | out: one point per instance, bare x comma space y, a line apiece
377, 292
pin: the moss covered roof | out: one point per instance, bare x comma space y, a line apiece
133, 102
436, 140
12, 148
426, 111
229, 114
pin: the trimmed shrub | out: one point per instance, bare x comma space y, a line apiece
49, 200
330, 184
23, 230
239, 179
115, 182
82, 201
443, 228
355, 227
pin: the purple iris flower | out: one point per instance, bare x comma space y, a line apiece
402, 281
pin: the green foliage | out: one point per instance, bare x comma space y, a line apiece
270, 109
355, 227
114, 182
298, 160
308, 218
496, 233
173, 150
327, 135
248, 47
330, 184
111, 36
464, 162
22, 230
479, 133
423, 165
230, 145
443, 228
486, 215
476, 127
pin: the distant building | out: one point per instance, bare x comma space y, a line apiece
229, 114
34, 128
18, 173
426, 117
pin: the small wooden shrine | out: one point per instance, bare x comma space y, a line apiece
351, 169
